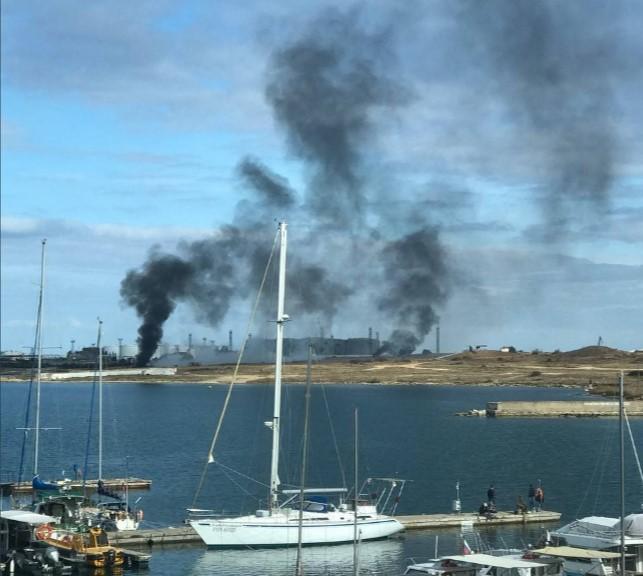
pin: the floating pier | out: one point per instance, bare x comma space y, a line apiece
186, 534
427, 521
90, 485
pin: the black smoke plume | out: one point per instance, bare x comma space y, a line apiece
400, 343
273, 189
153, 292
556, 80
323, 89
416, 275
326, 88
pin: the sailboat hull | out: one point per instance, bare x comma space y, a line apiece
283, 530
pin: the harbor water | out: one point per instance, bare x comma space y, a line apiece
162, 432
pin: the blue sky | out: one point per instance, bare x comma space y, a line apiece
123, 126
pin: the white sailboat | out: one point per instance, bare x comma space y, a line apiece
286, 524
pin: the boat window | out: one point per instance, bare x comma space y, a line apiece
315, 507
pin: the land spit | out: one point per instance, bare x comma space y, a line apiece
595, 368
562, 408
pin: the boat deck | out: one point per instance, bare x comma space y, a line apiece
185, 534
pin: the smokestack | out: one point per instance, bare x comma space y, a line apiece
229, 339
370, 340
72, 346
437, 337
190, 341
120, 348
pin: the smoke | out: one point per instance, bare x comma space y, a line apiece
417, 275
555, 79
273, 189
400, 343
324, 88
153, 293
327, 89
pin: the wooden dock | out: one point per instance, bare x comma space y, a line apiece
118, 484
186, 534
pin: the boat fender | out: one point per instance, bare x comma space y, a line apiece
43, 532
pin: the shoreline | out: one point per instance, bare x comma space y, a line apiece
596, 371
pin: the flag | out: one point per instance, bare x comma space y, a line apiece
466, 549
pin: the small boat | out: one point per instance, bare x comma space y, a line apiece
600, 538
289, 522
91, 549
20, 551
584, 561
505, 564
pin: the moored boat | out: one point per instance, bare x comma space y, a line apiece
286, 523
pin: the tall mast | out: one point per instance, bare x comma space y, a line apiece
355, 505
621, 412
281, 319
100, 400
39, 353
299, 570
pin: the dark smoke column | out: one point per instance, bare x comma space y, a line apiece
416, 278
153, 292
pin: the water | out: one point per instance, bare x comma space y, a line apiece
162, 432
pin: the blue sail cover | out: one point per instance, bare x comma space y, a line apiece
38, 484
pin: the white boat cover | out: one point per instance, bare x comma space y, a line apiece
572, 552
26, 517
495, 561
633, 525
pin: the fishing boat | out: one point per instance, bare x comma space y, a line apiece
287, 521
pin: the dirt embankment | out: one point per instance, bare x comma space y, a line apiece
594, 367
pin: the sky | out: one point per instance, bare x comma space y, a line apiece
476, 162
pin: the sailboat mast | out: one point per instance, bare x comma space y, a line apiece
621, 403
100, 400
281, 319
39, 353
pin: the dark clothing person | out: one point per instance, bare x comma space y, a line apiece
531, 493
491, 495
539, 497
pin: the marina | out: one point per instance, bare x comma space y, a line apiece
175, 546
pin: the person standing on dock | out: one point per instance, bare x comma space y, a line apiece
531, 493
491, 496
540, 498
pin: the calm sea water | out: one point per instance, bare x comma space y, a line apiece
162, 432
